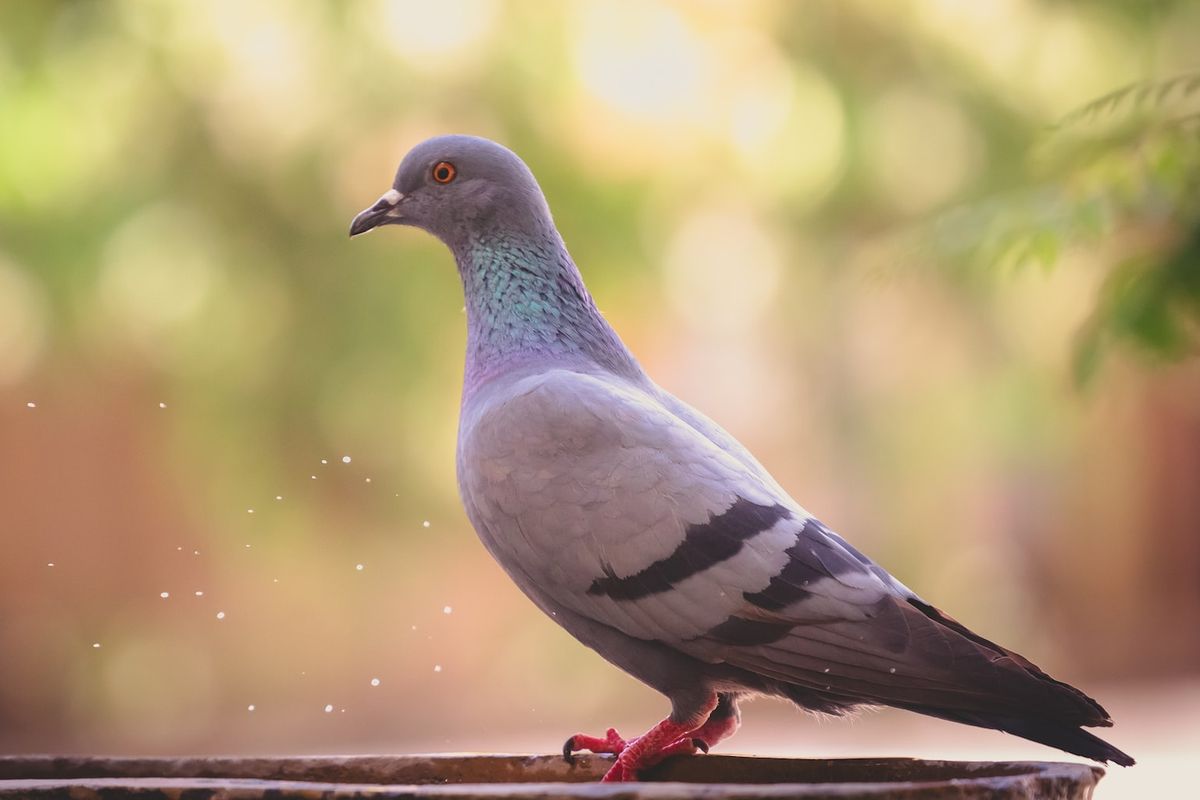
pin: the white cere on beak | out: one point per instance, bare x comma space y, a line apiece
391, 197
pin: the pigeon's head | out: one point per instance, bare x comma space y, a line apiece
458, 186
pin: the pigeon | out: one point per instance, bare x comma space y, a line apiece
649, 533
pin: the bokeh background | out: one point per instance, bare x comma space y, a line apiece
890, 246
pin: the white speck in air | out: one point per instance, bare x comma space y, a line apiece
827, 669
31, 405
164, 595
328, 708
220, 615
368, 480
447, 610
892, 670
162, 405
96, 645
250, 707
414, 627
278, 497
425, 524
324, 460
195, 552
345, 459
180, 548
437, 667
359, 567
249, 510
49, 563
374, 681
199, 593
247, 545
314, 477
275, 580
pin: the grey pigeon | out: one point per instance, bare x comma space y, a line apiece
650, 533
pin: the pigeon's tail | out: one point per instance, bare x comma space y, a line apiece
1064, 731
1064, 736
912, 656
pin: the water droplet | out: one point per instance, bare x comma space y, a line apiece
374, 681
447, 610
827, 669
359, 567
345, 459
164, 595
250, 707
437, 667
96, 645
425, 524
892, 670
220, 615
328, 708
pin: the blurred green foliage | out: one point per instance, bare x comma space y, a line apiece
1123, 168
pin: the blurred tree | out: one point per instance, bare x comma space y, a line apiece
1123, 170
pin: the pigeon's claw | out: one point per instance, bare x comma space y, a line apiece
611, 743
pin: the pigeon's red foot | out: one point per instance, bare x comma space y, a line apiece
665, 739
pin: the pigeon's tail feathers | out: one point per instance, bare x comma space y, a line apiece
1072, 705
1064, 736
909, 655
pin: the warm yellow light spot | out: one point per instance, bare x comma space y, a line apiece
921, 149
787, 127
440, 36
641, 59
157, 271
722, 268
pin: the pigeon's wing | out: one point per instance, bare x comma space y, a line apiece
632, 517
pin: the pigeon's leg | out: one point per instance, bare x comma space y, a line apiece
672, 736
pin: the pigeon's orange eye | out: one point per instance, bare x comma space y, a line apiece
444, 172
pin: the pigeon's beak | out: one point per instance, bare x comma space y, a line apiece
386, 211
